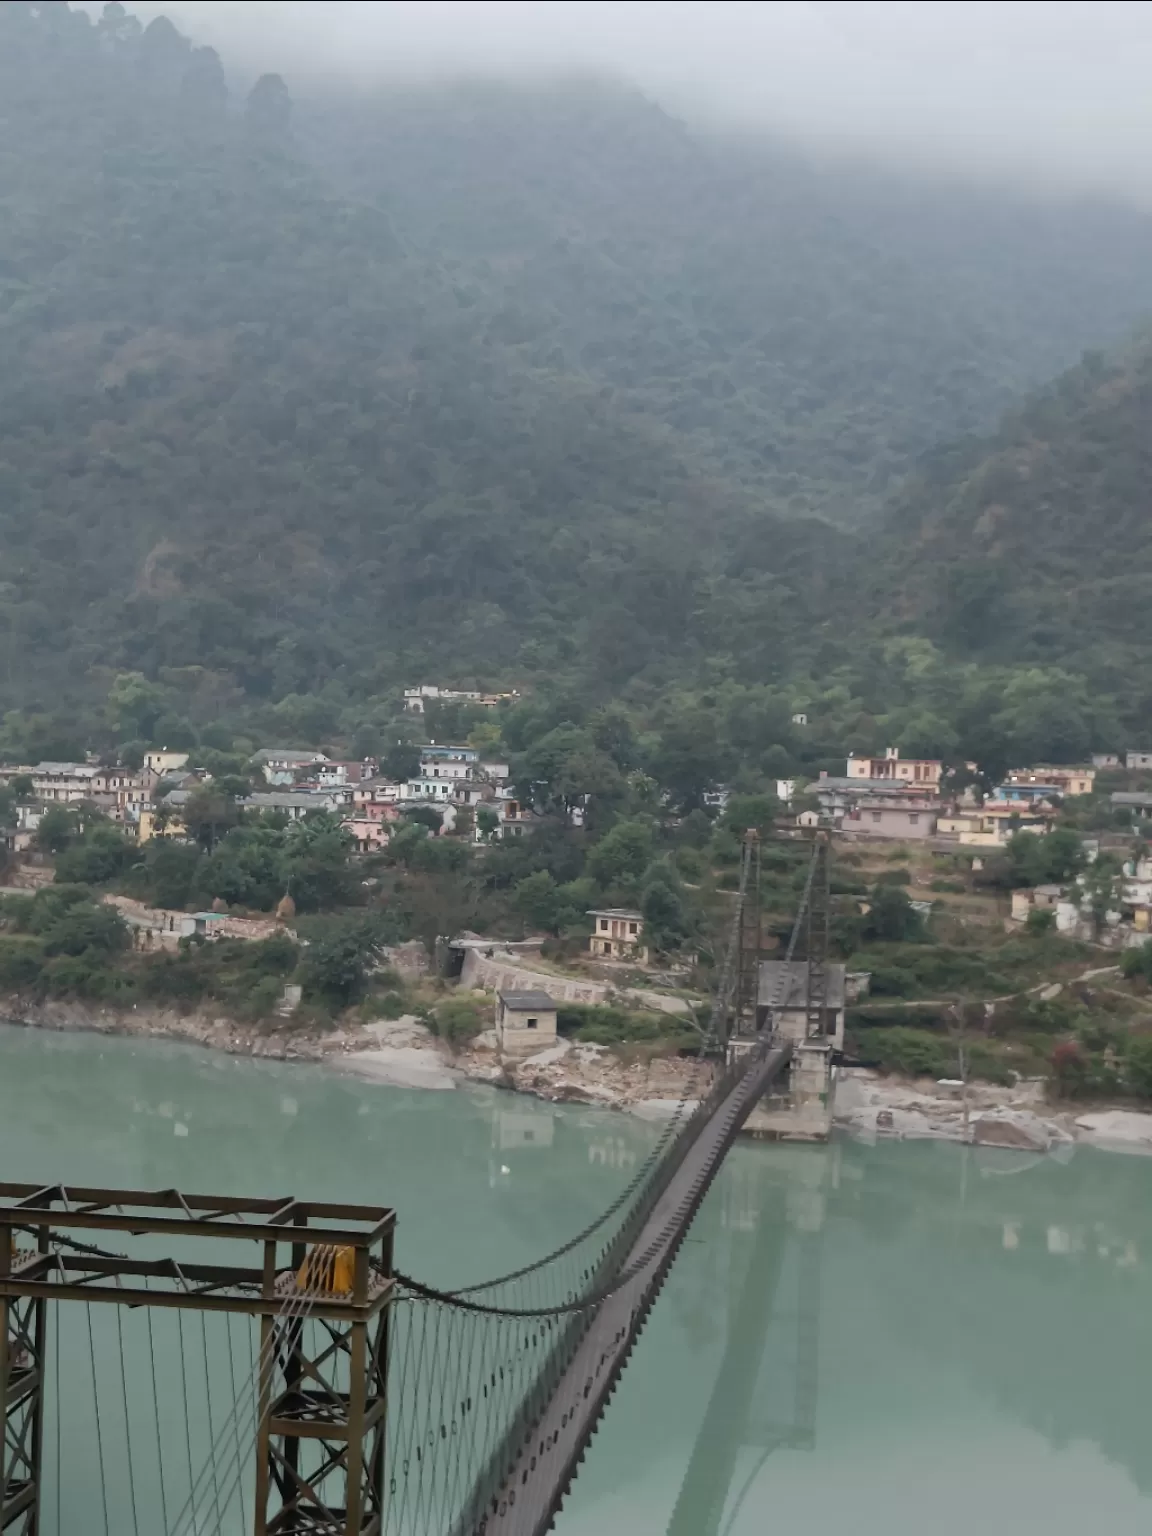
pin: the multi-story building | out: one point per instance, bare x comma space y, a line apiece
903, 817
993, 823
62, 783
1046, 777
376, 792
429, 789
923, 772
332, 775
448, 762
617, 934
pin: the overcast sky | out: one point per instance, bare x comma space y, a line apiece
1054, 91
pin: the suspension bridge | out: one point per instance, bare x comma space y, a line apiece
263, 1366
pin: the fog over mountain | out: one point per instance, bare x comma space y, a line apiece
307, 391
1049, 94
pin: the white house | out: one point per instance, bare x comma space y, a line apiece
280, 765
163, 762
429, 789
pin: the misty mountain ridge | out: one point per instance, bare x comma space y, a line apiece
1035, 543
501, 382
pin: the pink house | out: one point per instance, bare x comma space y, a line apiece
370, 832
904, 817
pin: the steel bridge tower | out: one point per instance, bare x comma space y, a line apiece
320, 1414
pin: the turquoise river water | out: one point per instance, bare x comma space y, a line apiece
891, 1339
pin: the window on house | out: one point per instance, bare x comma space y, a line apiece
603, 925
877, 816
531, 1024
913, 819
632, 928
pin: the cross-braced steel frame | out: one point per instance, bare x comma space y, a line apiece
22, 1340
320, 1427
816, 935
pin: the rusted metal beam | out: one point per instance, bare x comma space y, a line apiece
132, 1210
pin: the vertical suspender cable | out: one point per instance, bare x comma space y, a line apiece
96, 1411
187, 1419
156, 1421
127, 1421
59, 1411
211, 1429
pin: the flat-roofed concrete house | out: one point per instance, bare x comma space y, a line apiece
617, 934
525, 1022
920, 771
904, 818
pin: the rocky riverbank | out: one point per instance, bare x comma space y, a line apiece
404, 1053
871, 1107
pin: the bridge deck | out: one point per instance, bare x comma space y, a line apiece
531, 1497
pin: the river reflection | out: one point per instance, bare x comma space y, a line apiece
881, 1339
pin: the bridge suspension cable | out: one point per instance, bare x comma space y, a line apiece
530, 1332
494, 1387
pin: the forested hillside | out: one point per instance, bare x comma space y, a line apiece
300, 400
1034, 546
806, 326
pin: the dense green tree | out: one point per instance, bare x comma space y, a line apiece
690, 758
751, 811
167, 873
622, 855
334, 970
209, 812
86, 926
102, 855
891, 916
135, 704
1048, 860
665, 920
536, 899
401, 761
59, 826
1138, 1066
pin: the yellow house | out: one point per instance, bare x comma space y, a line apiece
171, 824
1062, 781
617, 934
992, 824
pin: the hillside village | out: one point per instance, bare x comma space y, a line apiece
887, 798
299, 895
